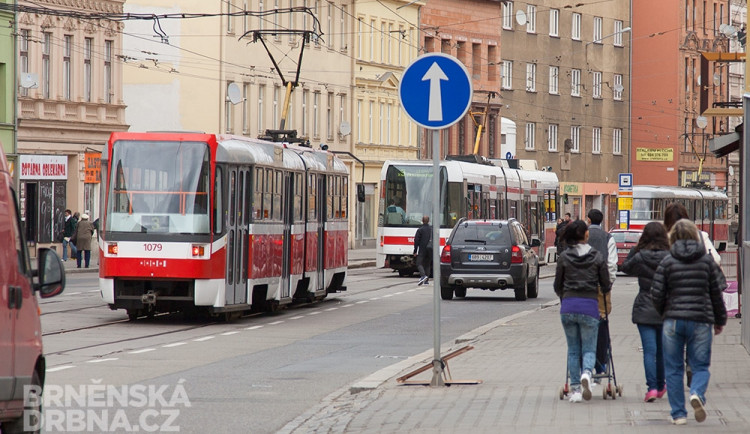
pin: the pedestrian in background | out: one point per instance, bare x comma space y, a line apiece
642, 261
603, 242
84, 232
423, 250
676, 211
580, 272
560, 232
68, 231
687, 292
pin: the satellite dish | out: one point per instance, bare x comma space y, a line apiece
728, 30
731, 171
28, 80
717, 79
521, 17
345, 128
619, 87
722, 28
234, 94
701, 122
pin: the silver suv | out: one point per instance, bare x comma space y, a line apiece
489, 254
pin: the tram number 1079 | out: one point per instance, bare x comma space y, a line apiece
152, 247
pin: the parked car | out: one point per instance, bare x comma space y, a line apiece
22, 362
625, 239
489, 254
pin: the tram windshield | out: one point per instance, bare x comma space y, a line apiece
408, 197
158, 187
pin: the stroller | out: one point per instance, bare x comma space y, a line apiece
611, 389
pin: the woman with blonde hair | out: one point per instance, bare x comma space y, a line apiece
687, 292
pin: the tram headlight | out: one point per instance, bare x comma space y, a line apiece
112, 248
197, 250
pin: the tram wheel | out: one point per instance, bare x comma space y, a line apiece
133, 314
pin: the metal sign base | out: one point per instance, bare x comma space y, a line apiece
440, 377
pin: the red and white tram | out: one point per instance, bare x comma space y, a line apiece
467, 189
707, 208
199, 222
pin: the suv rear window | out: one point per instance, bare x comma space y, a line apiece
491, 234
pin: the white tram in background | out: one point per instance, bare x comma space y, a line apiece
707, 208
467, 189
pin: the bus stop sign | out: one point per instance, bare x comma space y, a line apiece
435, 90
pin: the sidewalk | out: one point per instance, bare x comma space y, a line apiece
521, 362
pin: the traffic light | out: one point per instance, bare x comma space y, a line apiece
565, 198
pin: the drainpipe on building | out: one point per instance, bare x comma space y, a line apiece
630, 90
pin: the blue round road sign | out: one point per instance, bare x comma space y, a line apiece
435, 90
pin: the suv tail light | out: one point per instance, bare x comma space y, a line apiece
516, 256
445, 256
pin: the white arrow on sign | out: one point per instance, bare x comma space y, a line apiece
435, 74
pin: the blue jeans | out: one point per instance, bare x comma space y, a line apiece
697, 337
87, 257
74, 251
581, 332
653, 355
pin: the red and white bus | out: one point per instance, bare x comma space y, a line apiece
221, 224
472, 190
707, 208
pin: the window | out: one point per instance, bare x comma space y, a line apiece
554, 22
596, 141
316, 114
575, 30
530, 136
554, 76
381, 123
477, 60
275, 107
359, 121
261, 95
618, 33
552, 138
371, 126
261, 17
245, 112
507, 74
23, 61
305, 98
508, 15
342, 109
617, 141
342, 30
390, 43
401, 34
575, 138
46, 54
66, 66
575, 82
531, 77
492, 69
382, 42
230, 18
531, 19
388, 110
618, 88
245, 18
329, 116
597, 90
108, 89
329, 20
87, 44
597, 30
372, 40
228, 111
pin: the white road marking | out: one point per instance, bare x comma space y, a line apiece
75, 293
314, 313
176, 344
330, 309
145, 350
60, 368
347, 305
229, 333
275, 322
297, 317
204, 338
362, 301
102, 360
253, 327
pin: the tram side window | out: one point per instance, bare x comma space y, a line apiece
297, 197
219, 203
719, 210
258, 195
312, 188
533, 226
250, 197
345, 197
278, 185
241, 197
267, 192
232, 196
512, 212
329, 197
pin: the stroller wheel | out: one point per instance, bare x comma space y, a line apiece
619, 390
562, 393
611, 391
604, 393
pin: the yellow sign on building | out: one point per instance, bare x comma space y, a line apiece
654, 154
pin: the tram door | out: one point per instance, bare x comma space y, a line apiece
322, 241
237, 237
288, 216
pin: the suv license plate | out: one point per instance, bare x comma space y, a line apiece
476, 257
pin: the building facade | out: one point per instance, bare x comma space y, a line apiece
69, 101
468, 31
565, 83
8, 82
670, 135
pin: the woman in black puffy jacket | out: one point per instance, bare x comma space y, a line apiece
642, 261
687, 292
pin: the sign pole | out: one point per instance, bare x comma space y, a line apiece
437, 361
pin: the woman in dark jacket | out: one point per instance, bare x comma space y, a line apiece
687, 292
642, 261
580, 272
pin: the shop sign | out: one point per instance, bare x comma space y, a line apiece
93, 168
571, 188
654, 154
43, 166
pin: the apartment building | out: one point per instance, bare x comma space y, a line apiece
7, 82
69, 101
